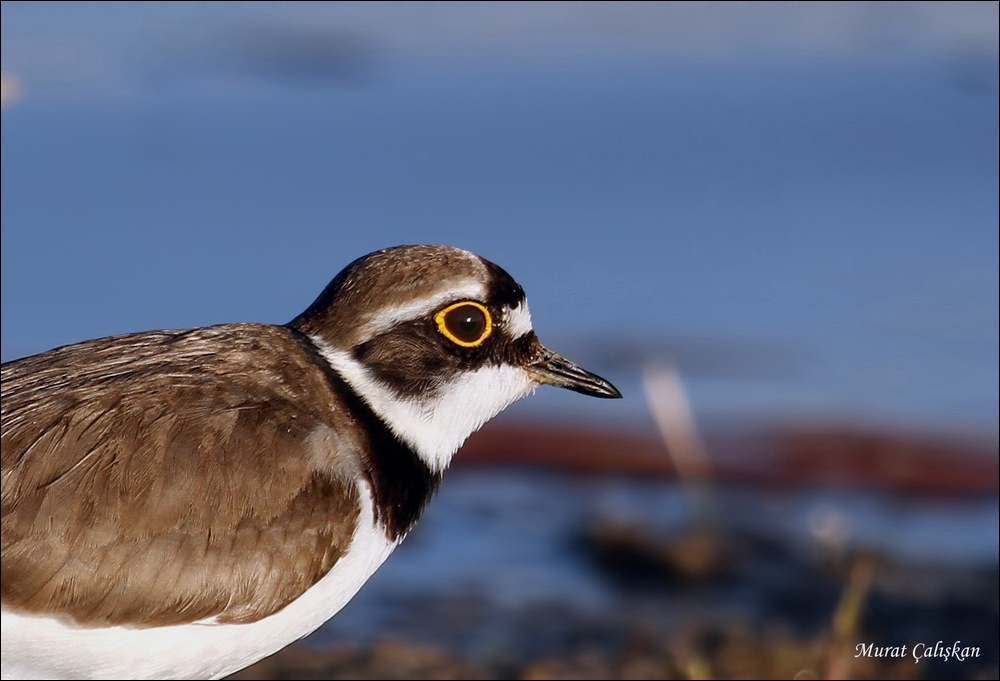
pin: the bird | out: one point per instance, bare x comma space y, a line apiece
183, 503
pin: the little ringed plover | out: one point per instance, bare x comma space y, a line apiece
180, 504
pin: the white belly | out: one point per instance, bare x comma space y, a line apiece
35, 647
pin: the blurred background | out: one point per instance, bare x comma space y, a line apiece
773, 225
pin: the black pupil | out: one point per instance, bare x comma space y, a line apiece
466, 323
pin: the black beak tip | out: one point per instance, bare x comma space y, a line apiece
612, 393
595, 386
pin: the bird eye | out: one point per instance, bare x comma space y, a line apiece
467, 323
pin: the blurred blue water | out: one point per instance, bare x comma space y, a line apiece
804, 236
497, 544
842, 212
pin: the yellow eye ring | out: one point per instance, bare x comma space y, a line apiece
466, 323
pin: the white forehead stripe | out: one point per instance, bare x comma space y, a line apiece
421, 307
519, 320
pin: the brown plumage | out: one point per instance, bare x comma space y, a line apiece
158, 478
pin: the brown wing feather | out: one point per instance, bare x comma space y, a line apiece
166, 477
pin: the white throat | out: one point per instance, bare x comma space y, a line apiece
437, 426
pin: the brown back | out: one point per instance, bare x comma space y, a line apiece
165, 477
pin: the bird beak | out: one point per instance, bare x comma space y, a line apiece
552, 369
